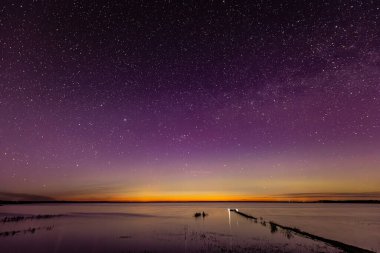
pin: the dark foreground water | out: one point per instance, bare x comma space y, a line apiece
173, 228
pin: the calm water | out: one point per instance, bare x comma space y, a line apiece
172, 227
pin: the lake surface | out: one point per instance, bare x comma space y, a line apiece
173, 228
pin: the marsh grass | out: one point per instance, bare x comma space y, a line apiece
25, 231
202, 214
24, 218
273, 227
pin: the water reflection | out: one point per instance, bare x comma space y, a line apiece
145, 227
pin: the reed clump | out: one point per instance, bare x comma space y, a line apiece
202, 214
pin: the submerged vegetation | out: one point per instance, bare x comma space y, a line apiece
25, 231
34, 217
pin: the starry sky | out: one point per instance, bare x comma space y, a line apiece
189, 100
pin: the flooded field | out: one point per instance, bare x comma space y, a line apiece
173, 227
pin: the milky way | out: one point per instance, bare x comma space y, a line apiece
199, 100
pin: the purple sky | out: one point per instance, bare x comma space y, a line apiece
170, 100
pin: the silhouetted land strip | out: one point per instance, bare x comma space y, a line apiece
337, 244
349, 201
243, 201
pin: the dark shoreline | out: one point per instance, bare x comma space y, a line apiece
153, 202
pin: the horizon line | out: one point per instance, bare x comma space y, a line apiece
187, 201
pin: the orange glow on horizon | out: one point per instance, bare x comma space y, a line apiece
210, 198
